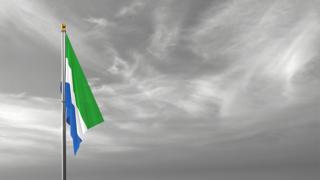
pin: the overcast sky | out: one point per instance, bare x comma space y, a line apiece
189, 89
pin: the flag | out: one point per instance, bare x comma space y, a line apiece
82, 111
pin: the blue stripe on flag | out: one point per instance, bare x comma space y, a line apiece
71, 119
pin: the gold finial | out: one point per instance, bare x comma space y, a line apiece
63, 27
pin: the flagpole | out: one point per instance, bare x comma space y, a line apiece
63, 81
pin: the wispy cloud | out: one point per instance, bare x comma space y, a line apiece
36, 20
180, 82
263, 64
165, 34
30, 126
100, 22
32, 18
130, 9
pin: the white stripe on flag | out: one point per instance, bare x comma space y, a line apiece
81, 127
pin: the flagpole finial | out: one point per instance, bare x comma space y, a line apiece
63, 27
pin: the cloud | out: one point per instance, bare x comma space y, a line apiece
100, 22
260, 51
32, 18
165, 34
119, 66
41, 24
30, 127
130, 9
182, 86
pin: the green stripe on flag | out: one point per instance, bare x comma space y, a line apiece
85, 101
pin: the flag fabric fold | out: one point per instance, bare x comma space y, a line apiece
82, 111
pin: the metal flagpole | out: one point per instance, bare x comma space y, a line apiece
63, 81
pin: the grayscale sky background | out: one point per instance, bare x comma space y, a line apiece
189, 89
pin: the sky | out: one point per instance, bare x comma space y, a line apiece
205, 89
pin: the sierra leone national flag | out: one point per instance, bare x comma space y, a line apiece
82, 111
